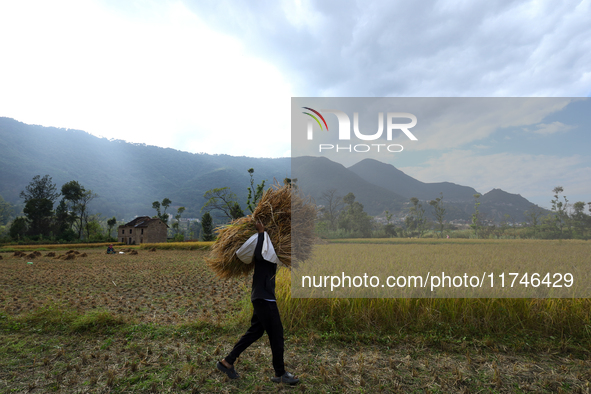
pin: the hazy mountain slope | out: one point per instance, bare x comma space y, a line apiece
498, 203
128, 177
391, 178
316, 175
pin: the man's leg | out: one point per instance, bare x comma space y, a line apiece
255, 331
268, 314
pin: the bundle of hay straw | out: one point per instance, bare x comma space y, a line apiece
284, 213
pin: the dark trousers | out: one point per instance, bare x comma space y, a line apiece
264, 318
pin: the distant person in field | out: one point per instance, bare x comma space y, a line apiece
110, 249
264, 318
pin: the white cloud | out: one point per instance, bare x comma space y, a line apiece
550, 128
453, 123
400, 48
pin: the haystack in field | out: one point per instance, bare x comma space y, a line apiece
50, 254
284, 212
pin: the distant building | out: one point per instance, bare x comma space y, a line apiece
142, 229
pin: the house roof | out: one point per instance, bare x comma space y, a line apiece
142, 221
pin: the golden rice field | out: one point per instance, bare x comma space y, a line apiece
492, 269
466, 309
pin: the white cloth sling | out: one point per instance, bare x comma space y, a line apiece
246, 251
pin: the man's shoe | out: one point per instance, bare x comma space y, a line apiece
231, 372
287, 378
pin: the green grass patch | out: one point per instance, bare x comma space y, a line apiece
53, 318
97, 320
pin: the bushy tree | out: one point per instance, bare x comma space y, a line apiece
207, 227
6, 211
39, 196
236, 212
533, 216
416, 219
19, 228
353, 218
581, 221
39, 189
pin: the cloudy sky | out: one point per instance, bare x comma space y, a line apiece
218, 76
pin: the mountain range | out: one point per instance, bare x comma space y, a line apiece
128, 177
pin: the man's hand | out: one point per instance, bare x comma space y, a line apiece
260, 227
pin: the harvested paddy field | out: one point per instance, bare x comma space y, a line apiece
165, 287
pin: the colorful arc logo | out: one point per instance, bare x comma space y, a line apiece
315, 118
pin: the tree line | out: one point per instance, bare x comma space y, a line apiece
345, 217
64, 214
46, 216
54, 214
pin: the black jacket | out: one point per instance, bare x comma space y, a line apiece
263, 279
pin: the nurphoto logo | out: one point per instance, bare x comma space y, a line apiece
345, 130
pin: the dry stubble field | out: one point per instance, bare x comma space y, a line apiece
157, 321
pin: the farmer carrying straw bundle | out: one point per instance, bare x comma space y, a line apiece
284, 212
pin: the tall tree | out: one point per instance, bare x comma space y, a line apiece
389, 228
476, 219
221, 199
92, 227
77, 199
39, 196
559, 208
438, 212
533, 216
580, 219
207, 227
333, 203
6, 211
353, 218
40, 189
111, 223
177, 225
19, 228
236, 211
162, 215
254, 194
417, 213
